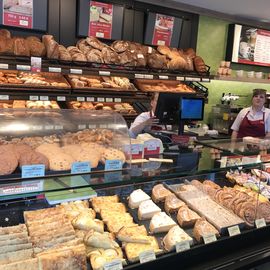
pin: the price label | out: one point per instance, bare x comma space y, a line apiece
260, 223
34, 98
61, 98
205, 80
29, 171
117, 100
4, 97
36, 63
112, 165
161, 77
182, 246
49, 127
55, 69
193, 79
161, 42
139, 76
24, 187
104, 73
90, 99
3, 66
113, 265
100, 99
80, 167
80, 98
37, 127
149, 76
58, 127
150, 50
44, 98
102, 126
23, 67
109, 100
92, 126
234, 230
209, 238
180, 78
147, 256
136, 148
81, 126
99, 34
75, 71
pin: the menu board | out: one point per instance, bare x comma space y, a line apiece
101, 20
248, 45
163, 30
18, 13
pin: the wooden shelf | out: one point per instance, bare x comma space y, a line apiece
240, 79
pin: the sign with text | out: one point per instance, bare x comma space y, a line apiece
101, 19
112, 165
30, 171
18, 13
80, 167
36, 63
163, 30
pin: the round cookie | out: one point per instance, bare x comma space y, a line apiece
61, 162
21, 149
32, 157
112, 154
8, 163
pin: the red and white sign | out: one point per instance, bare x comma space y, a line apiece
18, 13
101, 19
163, 30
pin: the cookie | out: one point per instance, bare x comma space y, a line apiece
112, 154
8, 163
48, 149
61, 162
21, 149
32, 157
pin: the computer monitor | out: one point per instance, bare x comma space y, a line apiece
191, 108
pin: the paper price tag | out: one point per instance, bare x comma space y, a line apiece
102, 126
23, 67
136, 148
34, 98
4, 97
99, 34
23, 187
100, 99
193, 79
182, 246
58, 127
80, 167
160, 42
180, 78
104, 73
209, 238
3, 66
49, 127
139, 76
81, 126
44, 98
55, 69
37, 127
260, 223
29, 171
80, 98
151, 145
117, 100
112, 165
109, 99
90, 99
147, 256
92, 126
149, 76
161, 77
75, 71
113, 265
36, 63
205, 80
234, 230
61, 98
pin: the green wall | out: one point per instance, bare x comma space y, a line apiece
211, 45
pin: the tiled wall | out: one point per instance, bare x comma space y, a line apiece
211, 45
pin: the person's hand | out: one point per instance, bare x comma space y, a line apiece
151, 121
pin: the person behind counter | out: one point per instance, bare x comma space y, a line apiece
145, 120
253, 121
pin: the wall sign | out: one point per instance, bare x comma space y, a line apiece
18, 13
163, 30
101, 20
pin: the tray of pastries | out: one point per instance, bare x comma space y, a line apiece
163, 86
123, 108
13, 78
28, 104
101, 83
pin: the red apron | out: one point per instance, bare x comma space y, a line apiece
254, 128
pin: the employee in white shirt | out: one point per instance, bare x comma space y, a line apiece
253, 121
145, 120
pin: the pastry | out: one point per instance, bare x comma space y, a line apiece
97, 202
161, 222
174, 236
113, 154
29, 264
86, 222
136, 197
172, 204
159, 193
133, 234
147, 209
100, 240
186, 217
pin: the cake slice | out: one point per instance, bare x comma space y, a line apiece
174, 236
172, 204
161, 222
159, 193
133, 234
186, 217
147, 210
136, 197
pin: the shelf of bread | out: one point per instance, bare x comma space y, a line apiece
90, 55
156, 218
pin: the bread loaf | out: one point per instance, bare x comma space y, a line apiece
199, 65
120, 46
95, 43
5, 33
94, 56
51, 46
21, 47
157, 61
109, 56
37, 48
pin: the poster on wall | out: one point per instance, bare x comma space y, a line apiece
163, 30
251, 45
18, 13
101, 20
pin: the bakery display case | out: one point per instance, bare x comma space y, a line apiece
41, 142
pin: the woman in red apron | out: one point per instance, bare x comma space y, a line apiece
252, 121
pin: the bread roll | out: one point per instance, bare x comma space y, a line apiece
21, 47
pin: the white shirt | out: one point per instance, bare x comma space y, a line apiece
252, 116
138, 120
